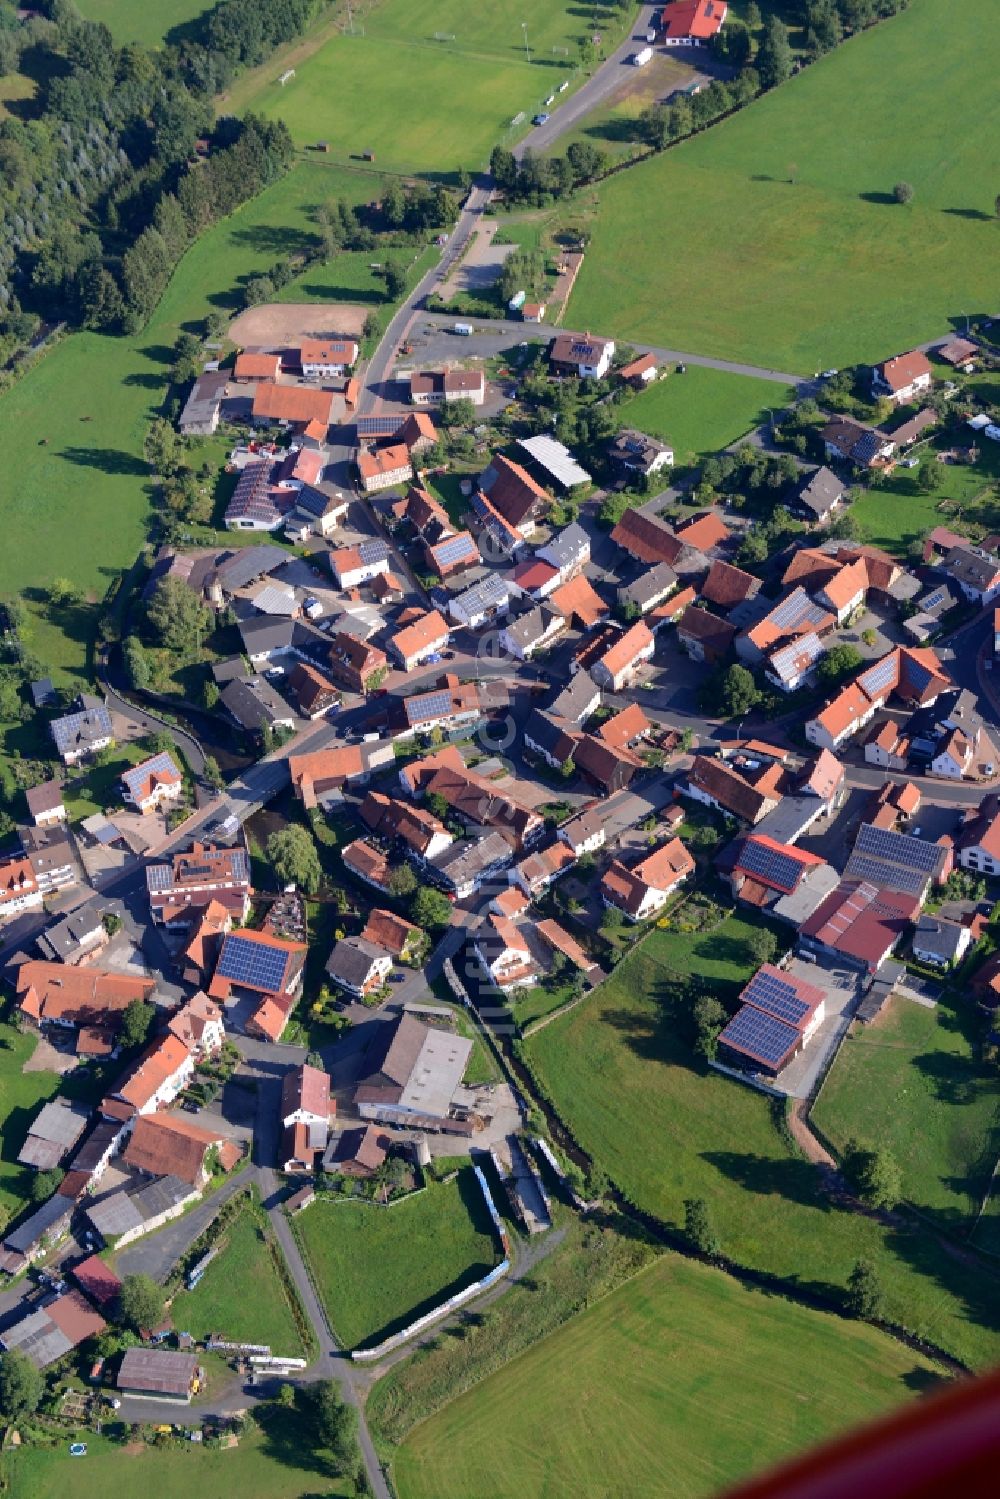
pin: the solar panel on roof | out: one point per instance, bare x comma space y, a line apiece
770, 864
454, 548
762, 1037
777, 997
428, 705
254, 964
880, 676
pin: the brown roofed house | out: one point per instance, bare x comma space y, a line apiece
168, 1145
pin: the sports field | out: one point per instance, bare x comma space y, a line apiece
775, 237
134, 21
912, 1082
654, 1392
378, 1268
240, 1294
621, 1056
369, 91
703, 410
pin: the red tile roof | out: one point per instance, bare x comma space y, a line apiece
703, 531
904, 369
168, 1145
292, 403
727, 585
578, 599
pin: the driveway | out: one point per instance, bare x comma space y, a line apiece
157, 1253
841, 989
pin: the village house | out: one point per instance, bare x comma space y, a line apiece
845, 591
395, 935
356, 1152
642, 890
153, 783
256, 707
168, 1145
865, 447
253, 365
704, 532
73, 998
18, 888
79, 936
367, 863
719, 785
535, 578
791, 666
552, 739
45, 804
977, 842
319, 775
180, 890
535, 873
451, 707
504, 954
531, 632
586, 357
359, 564
975, 571
198, 1024
452, 554
940, 943
704, 635
579, 602
647, 590
619, 666
355, 664
568, 551
313, 694
321, 358
609, 767
259, 503
819, 495
421, 833
162, 1071
583, 834
469, 863
384, 468
83, 732
650, 539
902, 379
439, 387
420, 641
640, 372
633, 453
692, 23
914, 675
488, 600
769, 875
512, 492
306, 1112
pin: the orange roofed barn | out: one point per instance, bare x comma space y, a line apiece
57, 994
167, 1145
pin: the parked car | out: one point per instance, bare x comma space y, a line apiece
540, 119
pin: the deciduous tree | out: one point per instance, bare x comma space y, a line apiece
292, 854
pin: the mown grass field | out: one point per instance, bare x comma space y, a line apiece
263, 1465
703, 410
21, 1096
775, 238
378, 1268
620, 1058
133, 21
653, 1392
240, 1294
370, 91
912, 1082
77, 496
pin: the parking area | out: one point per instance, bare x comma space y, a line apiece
840, 986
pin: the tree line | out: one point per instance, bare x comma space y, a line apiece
100, 189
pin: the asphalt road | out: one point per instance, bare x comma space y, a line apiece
590, 95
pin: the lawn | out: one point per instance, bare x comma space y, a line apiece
378, 1268
369, 91
240, 1294
268, 1465
703, 410
100, 788
21, 1096
77, 496
131, 21
912, 1082
775, 238
636, 1396
619, 1058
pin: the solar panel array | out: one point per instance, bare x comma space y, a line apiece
253, 964
766, 991
796, 610
762, 1037
373, 551
425, 705
770, 865
881, 677
159, 877
162, 764
455, 548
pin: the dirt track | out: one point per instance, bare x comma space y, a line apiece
279, 323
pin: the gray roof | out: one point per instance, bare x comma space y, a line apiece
126, 1210
45, 797
569, 547
648, 586
50, 1215
157, 1371
531, 627
937, 936
489, 593
62, 941
249, 564
468, 858
204, 398
254, 704
820, 491
576, 700
263, 633
232, 669
549, 734
77, 731
352, 958
38, 1338
54, 1131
